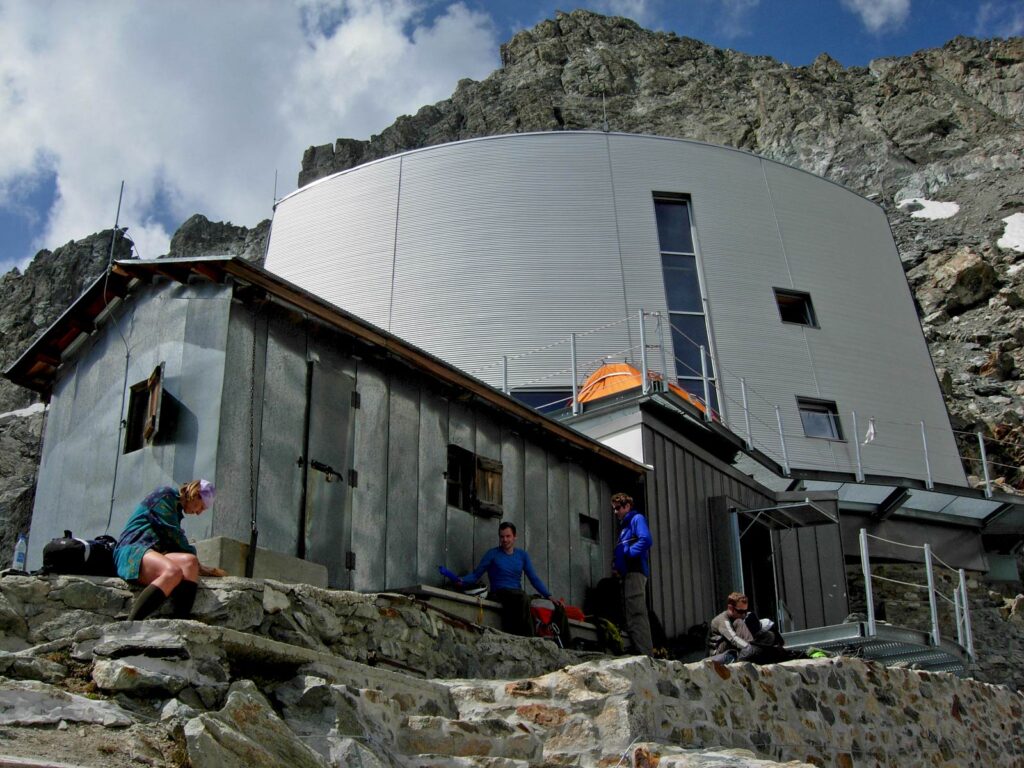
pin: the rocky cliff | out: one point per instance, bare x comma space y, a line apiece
940, 126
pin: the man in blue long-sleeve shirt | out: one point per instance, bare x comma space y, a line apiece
505, 566
630, 563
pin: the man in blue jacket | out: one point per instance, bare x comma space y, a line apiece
505, 566
632, 566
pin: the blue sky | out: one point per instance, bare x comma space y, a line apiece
196, 104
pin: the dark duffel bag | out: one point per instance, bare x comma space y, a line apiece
85, 557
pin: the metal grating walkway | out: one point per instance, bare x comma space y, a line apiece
890, 645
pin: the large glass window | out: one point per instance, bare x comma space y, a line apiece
682, 294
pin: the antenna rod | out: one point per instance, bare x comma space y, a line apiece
117, 219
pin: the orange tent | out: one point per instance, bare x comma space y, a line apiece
613, 378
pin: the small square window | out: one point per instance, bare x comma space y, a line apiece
796, 307
590, 528
474, 482
820, 418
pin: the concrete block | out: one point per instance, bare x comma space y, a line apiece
230, 554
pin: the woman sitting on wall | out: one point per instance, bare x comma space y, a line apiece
153, 549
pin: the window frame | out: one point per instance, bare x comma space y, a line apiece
808, 305
145, 405
590, 528
473, 483
818, 406
687, 375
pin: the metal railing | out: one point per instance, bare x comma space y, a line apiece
959, 598
653, 362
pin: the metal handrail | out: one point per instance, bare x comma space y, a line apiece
961, 606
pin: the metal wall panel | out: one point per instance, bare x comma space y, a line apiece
338, 239
369, 498
852, 269
207, 319
241, 417
537, 528
513, 494
599, 552
558, 526
680, 494
578, 555
279, 483
403, 481
812, 570
432, 518
518, 241
327, 516
85, 480
545, 213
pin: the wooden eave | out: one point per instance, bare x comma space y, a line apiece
37, 367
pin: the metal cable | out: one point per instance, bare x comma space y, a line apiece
552, 345
897, 581
890, 541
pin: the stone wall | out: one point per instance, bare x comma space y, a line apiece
998, 628
271, 675
384, 629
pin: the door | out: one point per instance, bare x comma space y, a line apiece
325, 519
306, 442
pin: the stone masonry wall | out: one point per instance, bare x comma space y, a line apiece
272, 675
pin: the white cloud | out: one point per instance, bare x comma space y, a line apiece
196, 104
735, 17
640, 11
880, 16
1002, 19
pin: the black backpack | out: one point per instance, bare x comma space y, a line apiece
85, 557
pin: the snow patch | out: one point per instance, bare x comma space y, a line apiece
1015, 268
28, 411
922, 208
1013, 235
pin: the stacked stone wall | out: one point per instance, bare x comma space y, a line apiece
276, 674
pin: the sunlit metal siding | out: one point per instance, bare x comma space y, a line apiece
479, 223
869, 355
83, 466
507, 245
339, 241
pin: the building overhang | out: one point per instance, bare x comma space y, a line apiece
787, 515
880, 501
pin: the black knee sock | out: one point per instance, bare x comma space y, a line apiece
148, 601
183, 597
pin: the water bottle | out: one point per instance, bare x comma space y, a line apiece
20, 553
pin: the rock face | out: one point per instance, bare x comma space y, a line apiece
201, 237
242, 686
939, 126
